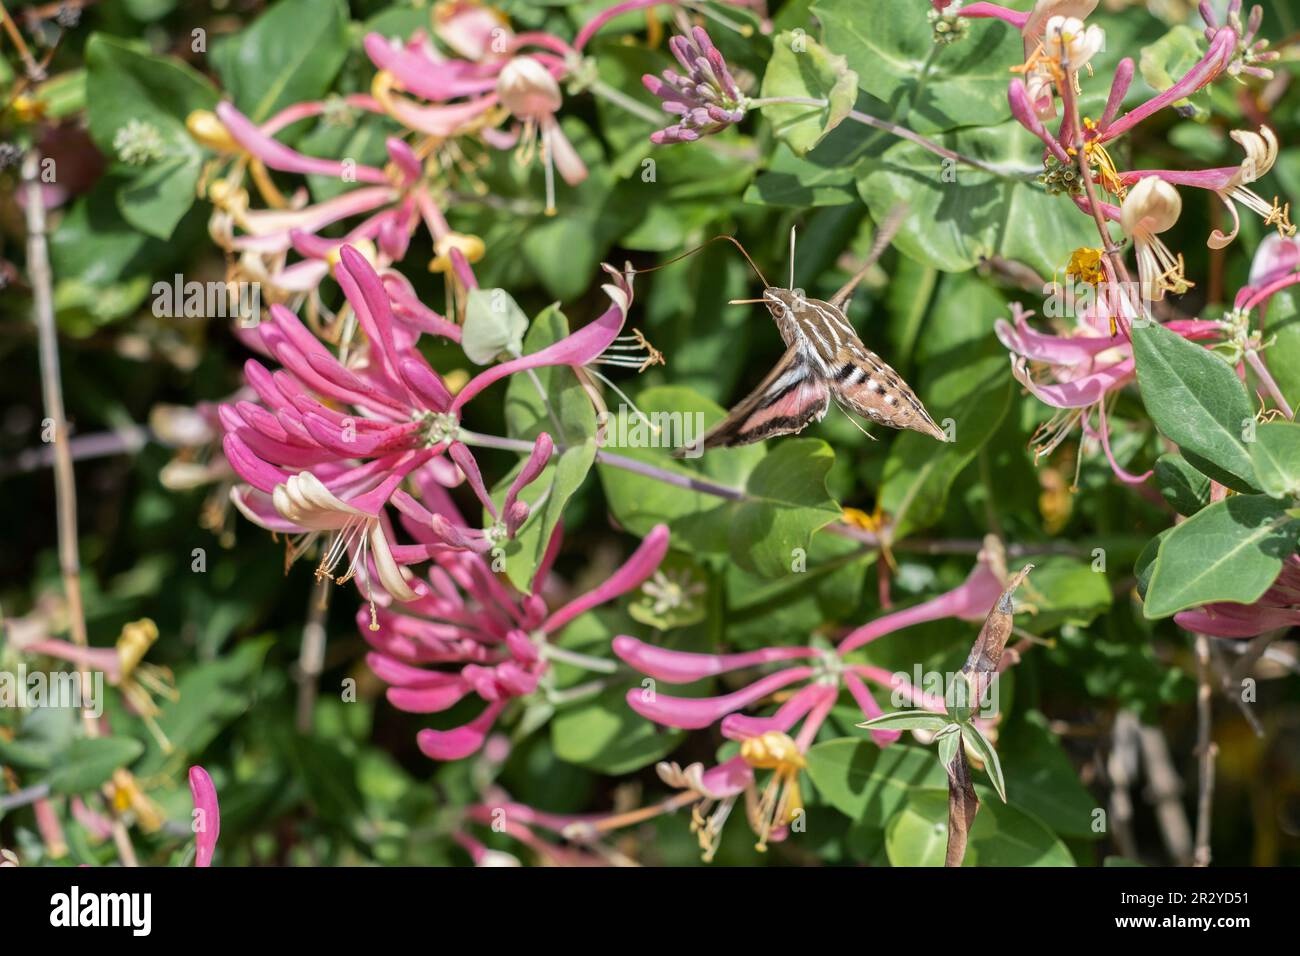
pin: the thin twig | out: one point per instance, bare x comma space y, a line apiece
1165, 789
1122, 770
65, 482
1206, 750
311, 655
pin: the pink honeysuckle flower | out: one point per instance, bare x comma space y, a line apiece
330, 443
277, 156
1249, 52
1277, 256
819, 669
472, 30
1205, 71
539, 832
1230, 184
528, 90
1084, 368
1277, 608
497, 643
706, 97
207, 816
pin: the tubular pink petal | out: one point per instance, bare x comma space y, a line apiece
278, 156
534, 466
740, 727
969, 601
643, 563
207, 816
461, 742
683, 667
1025, 113
1118, 90
259, 474
693, 713
464, 459
579, 348
1017, 18
427, 700
1081, 392
1215, 61
867, 704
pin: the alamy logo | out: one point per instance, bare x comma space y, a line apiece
133, 910
629, 428
83, 690
207, 300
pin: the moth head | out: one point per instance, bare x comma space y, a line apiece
783, 303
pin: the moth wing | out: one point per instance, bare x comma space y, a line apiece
788, 399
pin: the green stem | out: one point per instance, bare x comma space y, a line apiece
902, 132
620, 99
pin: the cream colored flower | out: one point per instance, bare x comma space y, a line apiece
1150, 208
1261, 154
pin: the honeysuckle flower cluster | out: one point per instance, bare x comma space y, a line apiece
330, 443
765, 743
1095, 360
705, 96
469, 633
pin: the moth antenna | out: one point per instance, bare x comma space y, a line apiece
690, 252
792, 258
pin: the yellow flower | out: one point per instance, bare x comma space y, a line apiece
471, 247
1085, 264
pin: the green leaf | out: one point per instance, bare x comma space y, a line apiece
1002, 835
864, 782
1230, 551
1185, 488
212, 694
494, 324
90, 761
801, 67
1067, 590
801, 182
100, 259
1275, 453
156, 200
906, 720
958, 215
949, 743
125, 84
929, 87
975, 739
919, 471
289, 54
1197, 402
1043, 779
788, 503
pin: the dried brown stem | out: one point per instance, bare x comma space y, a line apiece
963, 804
